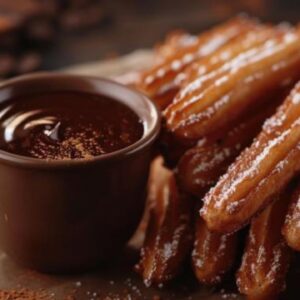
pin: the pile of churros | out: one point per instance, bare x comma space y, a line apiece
231, 149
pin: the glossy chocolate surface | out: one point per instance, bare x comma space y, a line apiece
67, 125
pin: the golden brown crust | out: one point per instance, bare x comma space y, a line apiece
266, 257
213, 255
259, 172
240, 44
169, 231
164, 77
291, 229
220, 97
211, 120
174, 41
174, 150
200, 167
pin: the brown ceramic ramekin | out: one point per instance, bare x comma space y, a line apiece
72, 215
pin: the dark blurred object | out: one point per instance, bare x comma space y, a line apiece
76, 14
80, 14
140, 24
81, 31
28, 27
23, 26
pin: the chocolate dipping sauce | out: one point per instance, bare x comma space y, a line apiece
66, 125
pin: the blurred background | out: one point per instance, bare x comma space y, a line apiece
53, 34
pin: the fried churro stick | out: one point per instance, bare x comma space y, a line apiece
169, 231
174, 41
244, 42
173, 148
200, 167
291, 229
217, 147
221, 97
266, 258
213, 255
162, 78
259, 173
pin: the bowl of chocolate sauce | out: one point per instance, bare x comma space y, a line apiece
74, 161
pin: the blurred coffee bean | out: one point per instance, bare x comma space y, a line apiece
7, 64
27, 27
28, 62
75, 19
40, 30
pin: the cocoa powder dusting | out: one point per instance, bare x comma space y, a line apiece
25, 294
67, 125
